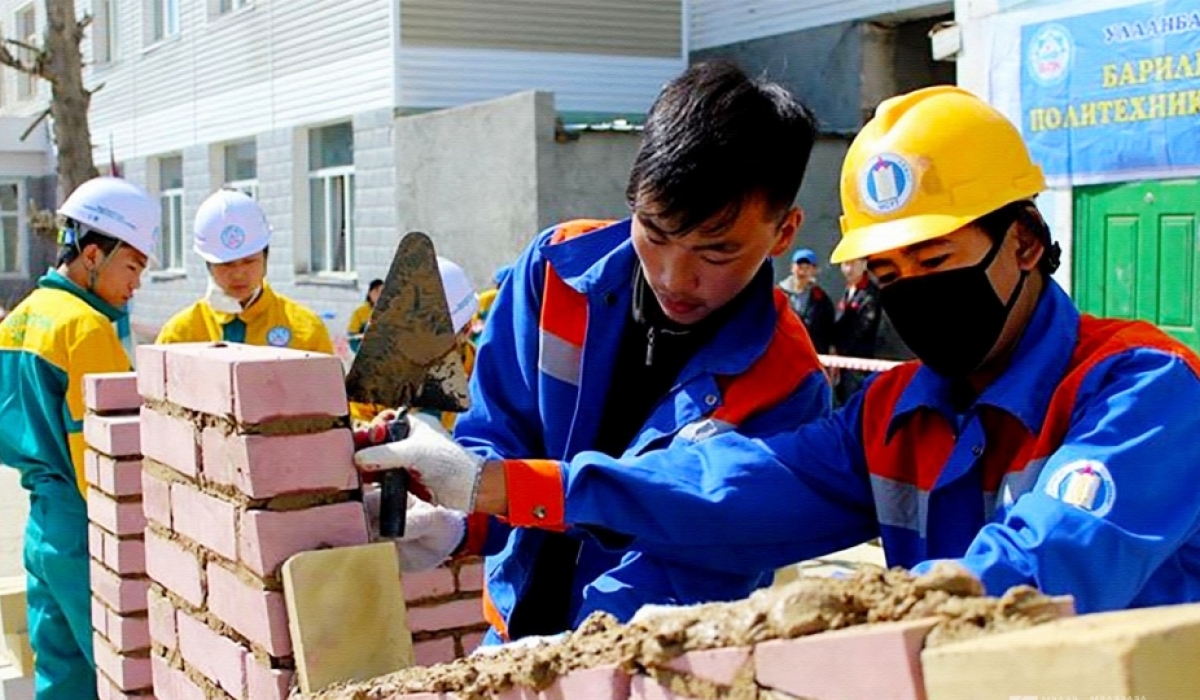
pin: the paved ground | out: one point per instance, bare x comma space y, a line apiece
14, 508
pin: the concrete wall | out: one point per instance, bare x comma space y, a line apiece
483, 179
822, 207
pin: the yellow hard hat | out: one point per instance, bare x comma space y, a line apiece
930, 162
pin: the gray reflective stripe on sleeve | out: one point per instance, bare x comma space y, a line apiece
558, 358
1018, 483
900, 505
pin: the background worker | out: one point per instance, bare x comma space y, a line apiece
361, 317
1030, 444
624, 337
856, 328
810, 302
464, 304
63, 330
233, 238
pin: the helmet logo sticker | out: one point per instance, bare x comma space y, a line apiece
1050, 54
886, 183
1085, 484
233, 236
279, 336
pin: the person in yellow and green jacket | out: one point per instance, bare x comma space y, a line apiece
232, 236
63, 330
361, 318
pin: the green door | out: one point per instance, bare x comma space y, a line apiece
1137, 250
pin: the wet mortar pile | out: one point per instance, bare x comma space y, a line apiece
804, 607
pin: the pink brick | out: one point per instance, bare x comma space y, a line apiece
209, 521
434, 651
219, 658
120, 518
268, 538
126, 672
719, 666
457, 613
471, 642
470, 577
862, 663
91, 470
263, 466
173, 684
646, 688
152, 373
268, 382
599, 683
117, 436
128, 633
99, 617
259, 615
310, 386
95, 542
124, 595
111, 391
162, 621
428, 584
115, 478
127, 556
264, 683
177, 569
156, 500
170, 441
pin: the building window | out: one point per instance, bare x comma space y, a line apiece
27, 32
10, 228
241, 167
164, 19
104, 31
331, 198
170, 193
227, 6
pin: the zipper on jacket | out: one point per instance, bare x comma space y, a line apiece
650, 346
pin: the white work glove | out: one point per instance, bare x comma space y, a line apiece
437, 466
431, 533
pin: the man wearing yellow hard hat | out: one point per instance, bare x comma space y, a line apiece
1029, 443
233, 237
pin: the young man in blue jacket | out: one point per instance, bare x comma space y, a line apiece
1029, 444
625, 337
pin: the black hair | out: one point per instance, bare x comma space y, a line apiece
69, 251
714, 138
375, 284
1025, 214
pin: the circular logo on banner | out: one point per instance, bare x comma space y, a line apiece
279, 336
886, 183
1050, 54
233, 236
1085, 484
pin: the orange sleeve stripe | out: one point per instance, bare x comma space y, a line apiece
536, 497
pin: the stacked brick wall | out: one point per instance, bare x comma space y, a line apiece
112, 462
248, 460
445, 612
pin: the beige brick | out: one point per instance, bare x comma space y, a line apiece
1147, 653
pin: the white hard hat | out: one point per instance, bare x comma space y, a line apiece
119, 209
460, 293
230, 226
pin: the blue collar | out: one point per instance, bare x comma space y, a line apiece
1025, 387
601, 262
55, 280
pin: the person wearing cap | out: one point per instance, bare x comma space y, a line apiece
1029, 444
361, 318
233, 238
810, 302
464, 304
65, 329
620, 338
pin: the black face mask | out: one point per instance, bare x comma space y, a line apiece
950, 319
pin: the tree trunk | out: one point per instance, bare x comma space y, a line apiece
69, 99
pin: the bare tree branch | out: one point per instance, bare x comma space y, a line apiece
40, 118
36, 66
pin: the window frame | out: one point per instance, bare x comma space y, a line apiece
21, 267
104, 25
27, 85
163, 24
247, 186
321, 231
